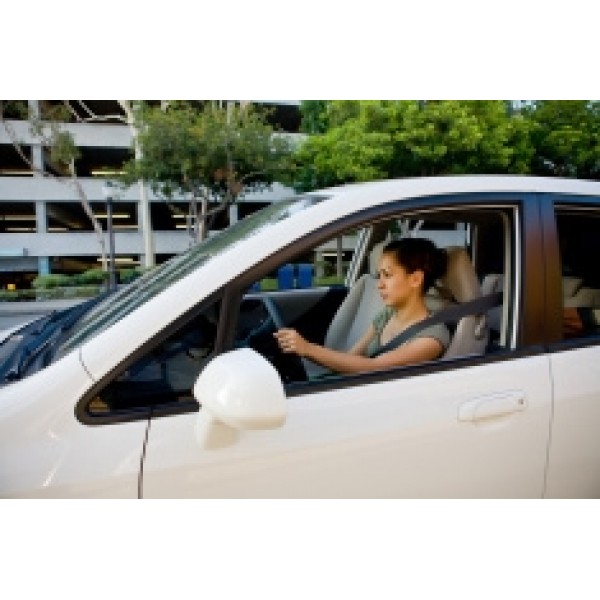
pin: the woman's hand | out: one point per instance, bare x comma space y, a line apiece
290, 341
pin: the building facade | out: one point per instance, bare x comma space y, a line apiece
43, 225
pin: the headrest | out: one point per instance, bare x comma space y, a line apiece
460, 278
494, 282
571, 285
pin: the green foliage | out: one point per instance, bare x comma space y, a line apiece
566, 134
56, 285
47, 127
372, 139
129, 275
225, 151
357, 146
46, 282
354, 140
90, 277
14, 109
449, 137
313, 116
18, 295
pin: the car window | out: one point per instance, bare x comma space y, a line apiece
127, 299
579, 243
487, 236
161, 380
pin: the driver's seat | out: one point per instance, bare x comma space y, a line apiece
461, 283
357, 311
354, 315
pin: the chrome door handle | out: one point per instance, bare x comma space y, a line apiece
494, 405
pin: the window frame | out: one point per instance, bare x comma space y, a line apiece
527, 337
527, 319
84, 416
551, 204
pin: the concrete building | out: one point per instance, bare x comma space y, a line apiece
43, 226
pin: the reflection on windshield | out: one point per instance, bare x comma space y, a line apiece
118, 305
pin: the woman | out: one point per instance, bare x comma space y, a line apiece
407, 269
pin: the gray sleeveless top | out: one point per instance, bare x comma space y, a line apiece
437, 331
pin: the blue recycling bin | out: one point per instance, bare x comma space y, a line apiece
305, 276
285, 277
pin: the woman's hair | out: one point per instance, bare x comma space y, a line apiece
416, 254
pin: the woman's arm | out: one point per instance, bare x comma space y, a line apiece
417, 350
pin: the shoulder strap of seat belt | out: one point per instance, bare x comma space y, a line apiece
452, 313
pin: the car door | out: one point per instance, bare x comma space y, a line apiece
431, 435
469, 427
572, 235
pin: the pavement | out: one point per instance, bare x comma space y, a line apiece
13, 314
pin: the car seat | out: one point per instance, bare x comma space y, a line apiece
363, 302
461, 283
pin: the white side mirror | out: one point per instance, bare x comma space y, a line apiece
242, 390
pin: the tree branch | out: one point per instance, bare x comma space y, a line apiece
60, 179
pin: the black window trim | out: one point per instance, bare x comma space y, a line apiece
529, 340
555, 341
136, 414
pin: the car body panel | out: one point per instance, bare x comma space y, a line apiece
399, 438
573, 463
46, 452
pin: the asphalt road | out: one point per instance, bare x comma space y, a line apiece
13, 314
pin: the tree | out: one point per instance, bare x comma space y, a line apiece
214, 154
566, 135
450, 137
357, 144
314, 116
381, 139
60, 149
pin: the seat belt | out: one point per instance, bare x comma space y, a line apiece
452, 313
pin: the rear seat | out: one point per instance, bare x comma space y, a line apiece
575, 295
490, 285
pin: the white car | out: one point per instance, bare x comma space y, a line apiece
174, 386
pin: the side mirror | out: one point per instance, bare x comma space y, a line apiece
242, 390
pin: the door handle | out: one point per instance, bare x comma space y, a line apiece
494, 405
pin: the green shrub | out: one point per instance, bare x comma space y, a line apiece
92, 277
46, 282
88, 291
17, 295
128, 275
268, 284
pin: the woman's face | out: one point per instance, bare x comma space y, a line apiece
395, 285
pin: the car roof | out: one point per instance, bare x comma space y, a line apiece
446, 184
345, 199
480, 183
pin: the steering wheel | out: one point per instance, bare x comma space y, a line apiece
294, 362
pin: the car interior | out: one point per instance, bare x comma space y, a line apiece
579, 242
337, 316
480, 245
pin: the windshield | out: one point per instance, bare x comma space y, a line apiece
116, 306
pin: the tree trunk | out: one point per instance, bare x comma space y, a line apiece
72, 179
202, 232
146, 223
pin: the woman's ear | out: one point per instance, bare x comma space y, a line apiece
416, 278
